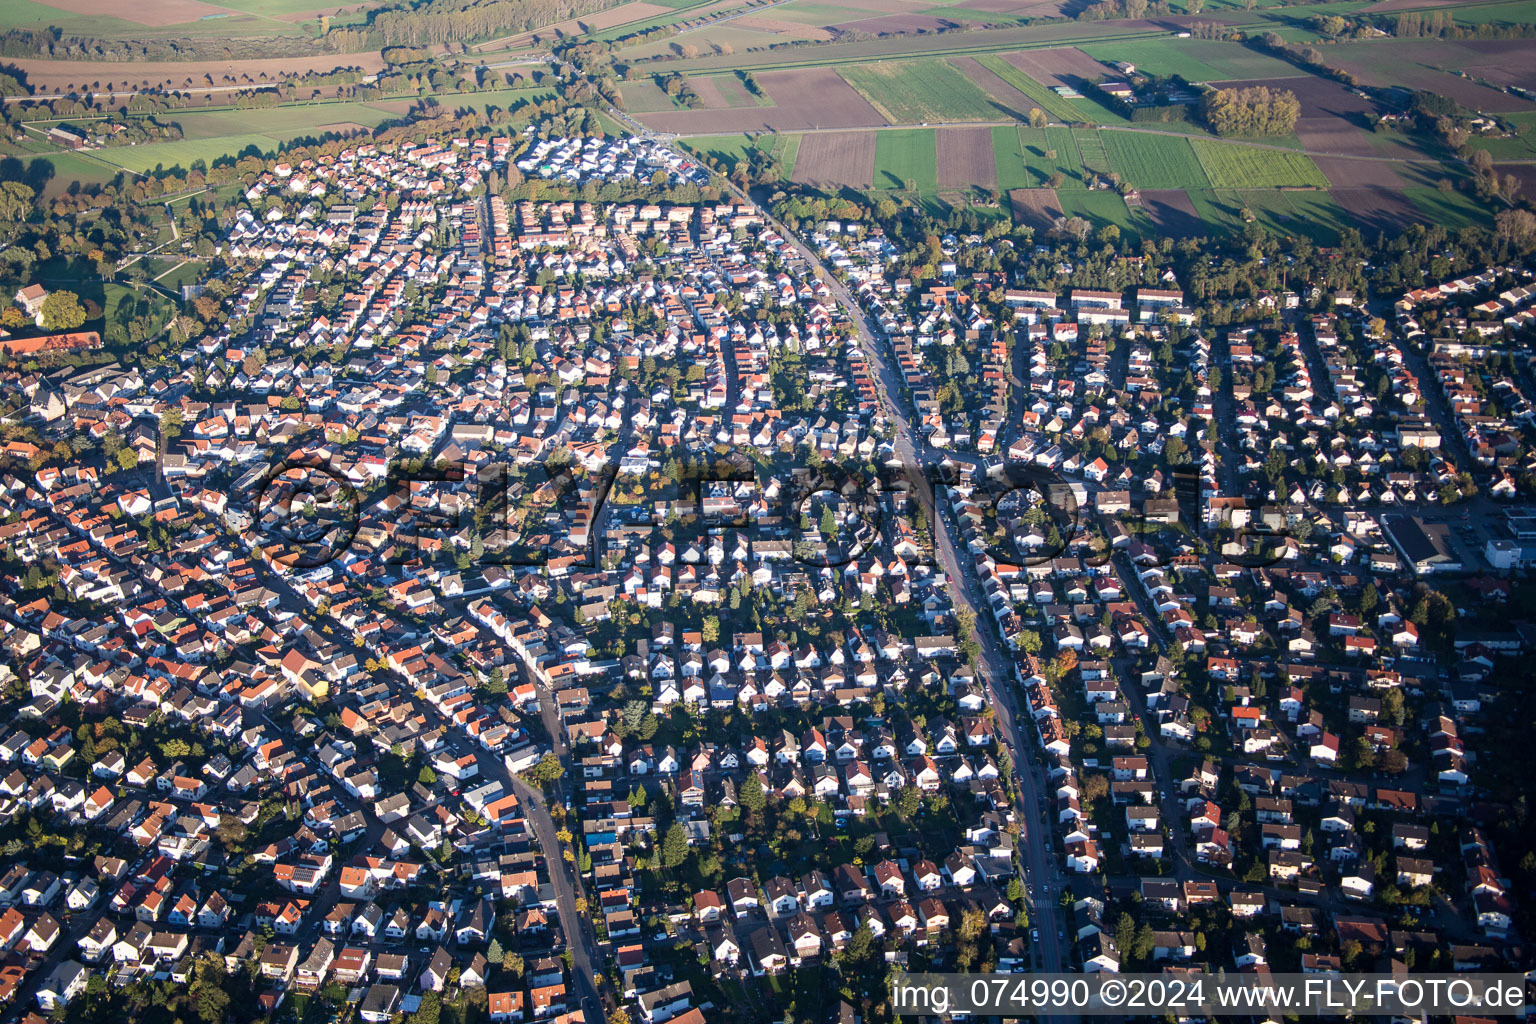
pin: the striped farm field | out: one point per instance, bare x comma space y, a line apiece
1229, 166
906, 158
1053, 104
966, 157
1153, 161
1027, 157
837, 158
1090, 146
914, 91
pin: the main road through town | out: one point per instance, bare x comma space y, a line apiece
996, 668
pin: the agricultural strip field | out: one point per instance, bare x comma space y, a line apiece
280, 123
966, 157
1090, 148
1007, 69
1428, 64
786, 150
1013, 103
952, 44
1314, 215
906, 158
1061, 65
1374, 208
1346, 173
910, 92
1454, 209
801, 98
183, 18
1153, 161
210, 135
1234, 166
1173, 213
1196, 60
1024, 159
644, 96
185, 152
736, 94
1332, 117
837, 158
1036, 207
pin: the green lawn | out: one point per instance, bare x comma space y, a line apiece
1234, 166
1154, 161
914, 91
905, 156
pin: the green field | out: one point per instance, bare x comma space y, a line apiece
732, 150
913, 91
1196, 60
1234, 166
1102, 208
907, 155
72, 167
737, 94
281, 123
1521, 148
1090, 147
212, 134
1454, 209
1518, 12
1313, 215
1153, 161
786, 149
187, 151
1023, 160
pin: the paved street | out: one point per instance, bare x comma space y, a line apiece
1042, 870
577, 928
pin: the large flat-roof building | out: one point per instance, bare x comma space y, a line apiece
1425, 546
